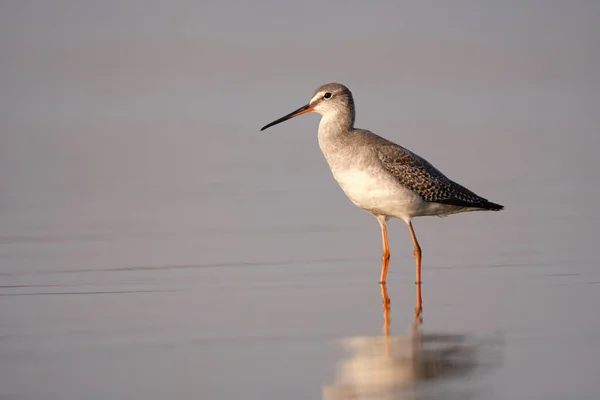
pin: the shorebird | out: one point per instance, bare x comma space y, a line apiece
379, 176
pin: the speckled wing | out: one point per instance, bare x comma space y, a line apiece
418, 175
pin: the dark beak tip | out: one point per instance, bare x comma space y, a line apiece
286, 117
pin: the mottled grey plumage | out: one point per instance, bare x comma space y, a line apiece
418, 175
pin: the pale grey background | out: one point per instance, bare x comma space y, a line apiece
217, 261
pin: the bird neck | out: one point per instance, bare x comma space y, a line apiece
339, 122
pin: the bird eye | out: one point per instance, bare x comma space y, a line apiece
327, 95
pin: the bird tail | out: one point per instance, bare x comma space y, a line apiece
480, 204
488, 205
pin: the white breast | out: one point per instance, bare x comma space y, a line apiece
361, 176
378, 193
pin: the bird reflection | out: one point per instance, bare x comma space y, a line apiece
386, 302
401, 367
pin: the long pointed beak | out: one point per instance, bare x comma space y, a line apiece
302, 110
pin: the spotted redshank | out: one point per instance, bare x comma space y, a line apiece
379, 176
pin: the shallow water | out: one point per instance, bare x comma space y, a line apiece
265, 312
154, 243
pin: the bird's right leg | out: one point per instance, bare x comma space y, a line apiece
386, 309
385, 254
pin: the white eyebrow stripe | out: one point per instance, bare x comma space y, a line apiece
316, 97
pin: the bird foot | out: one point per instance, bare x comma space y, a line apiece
418, 312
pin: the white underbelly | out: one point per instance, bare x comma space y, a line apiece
378, 193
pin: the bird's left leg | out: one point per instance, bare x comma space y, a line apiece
417, 253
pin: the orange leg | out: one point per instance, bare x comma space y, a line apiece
418, 305
386, 309
385, 254
416, 253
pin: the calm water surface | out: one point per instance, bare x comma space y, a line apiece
291, 308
